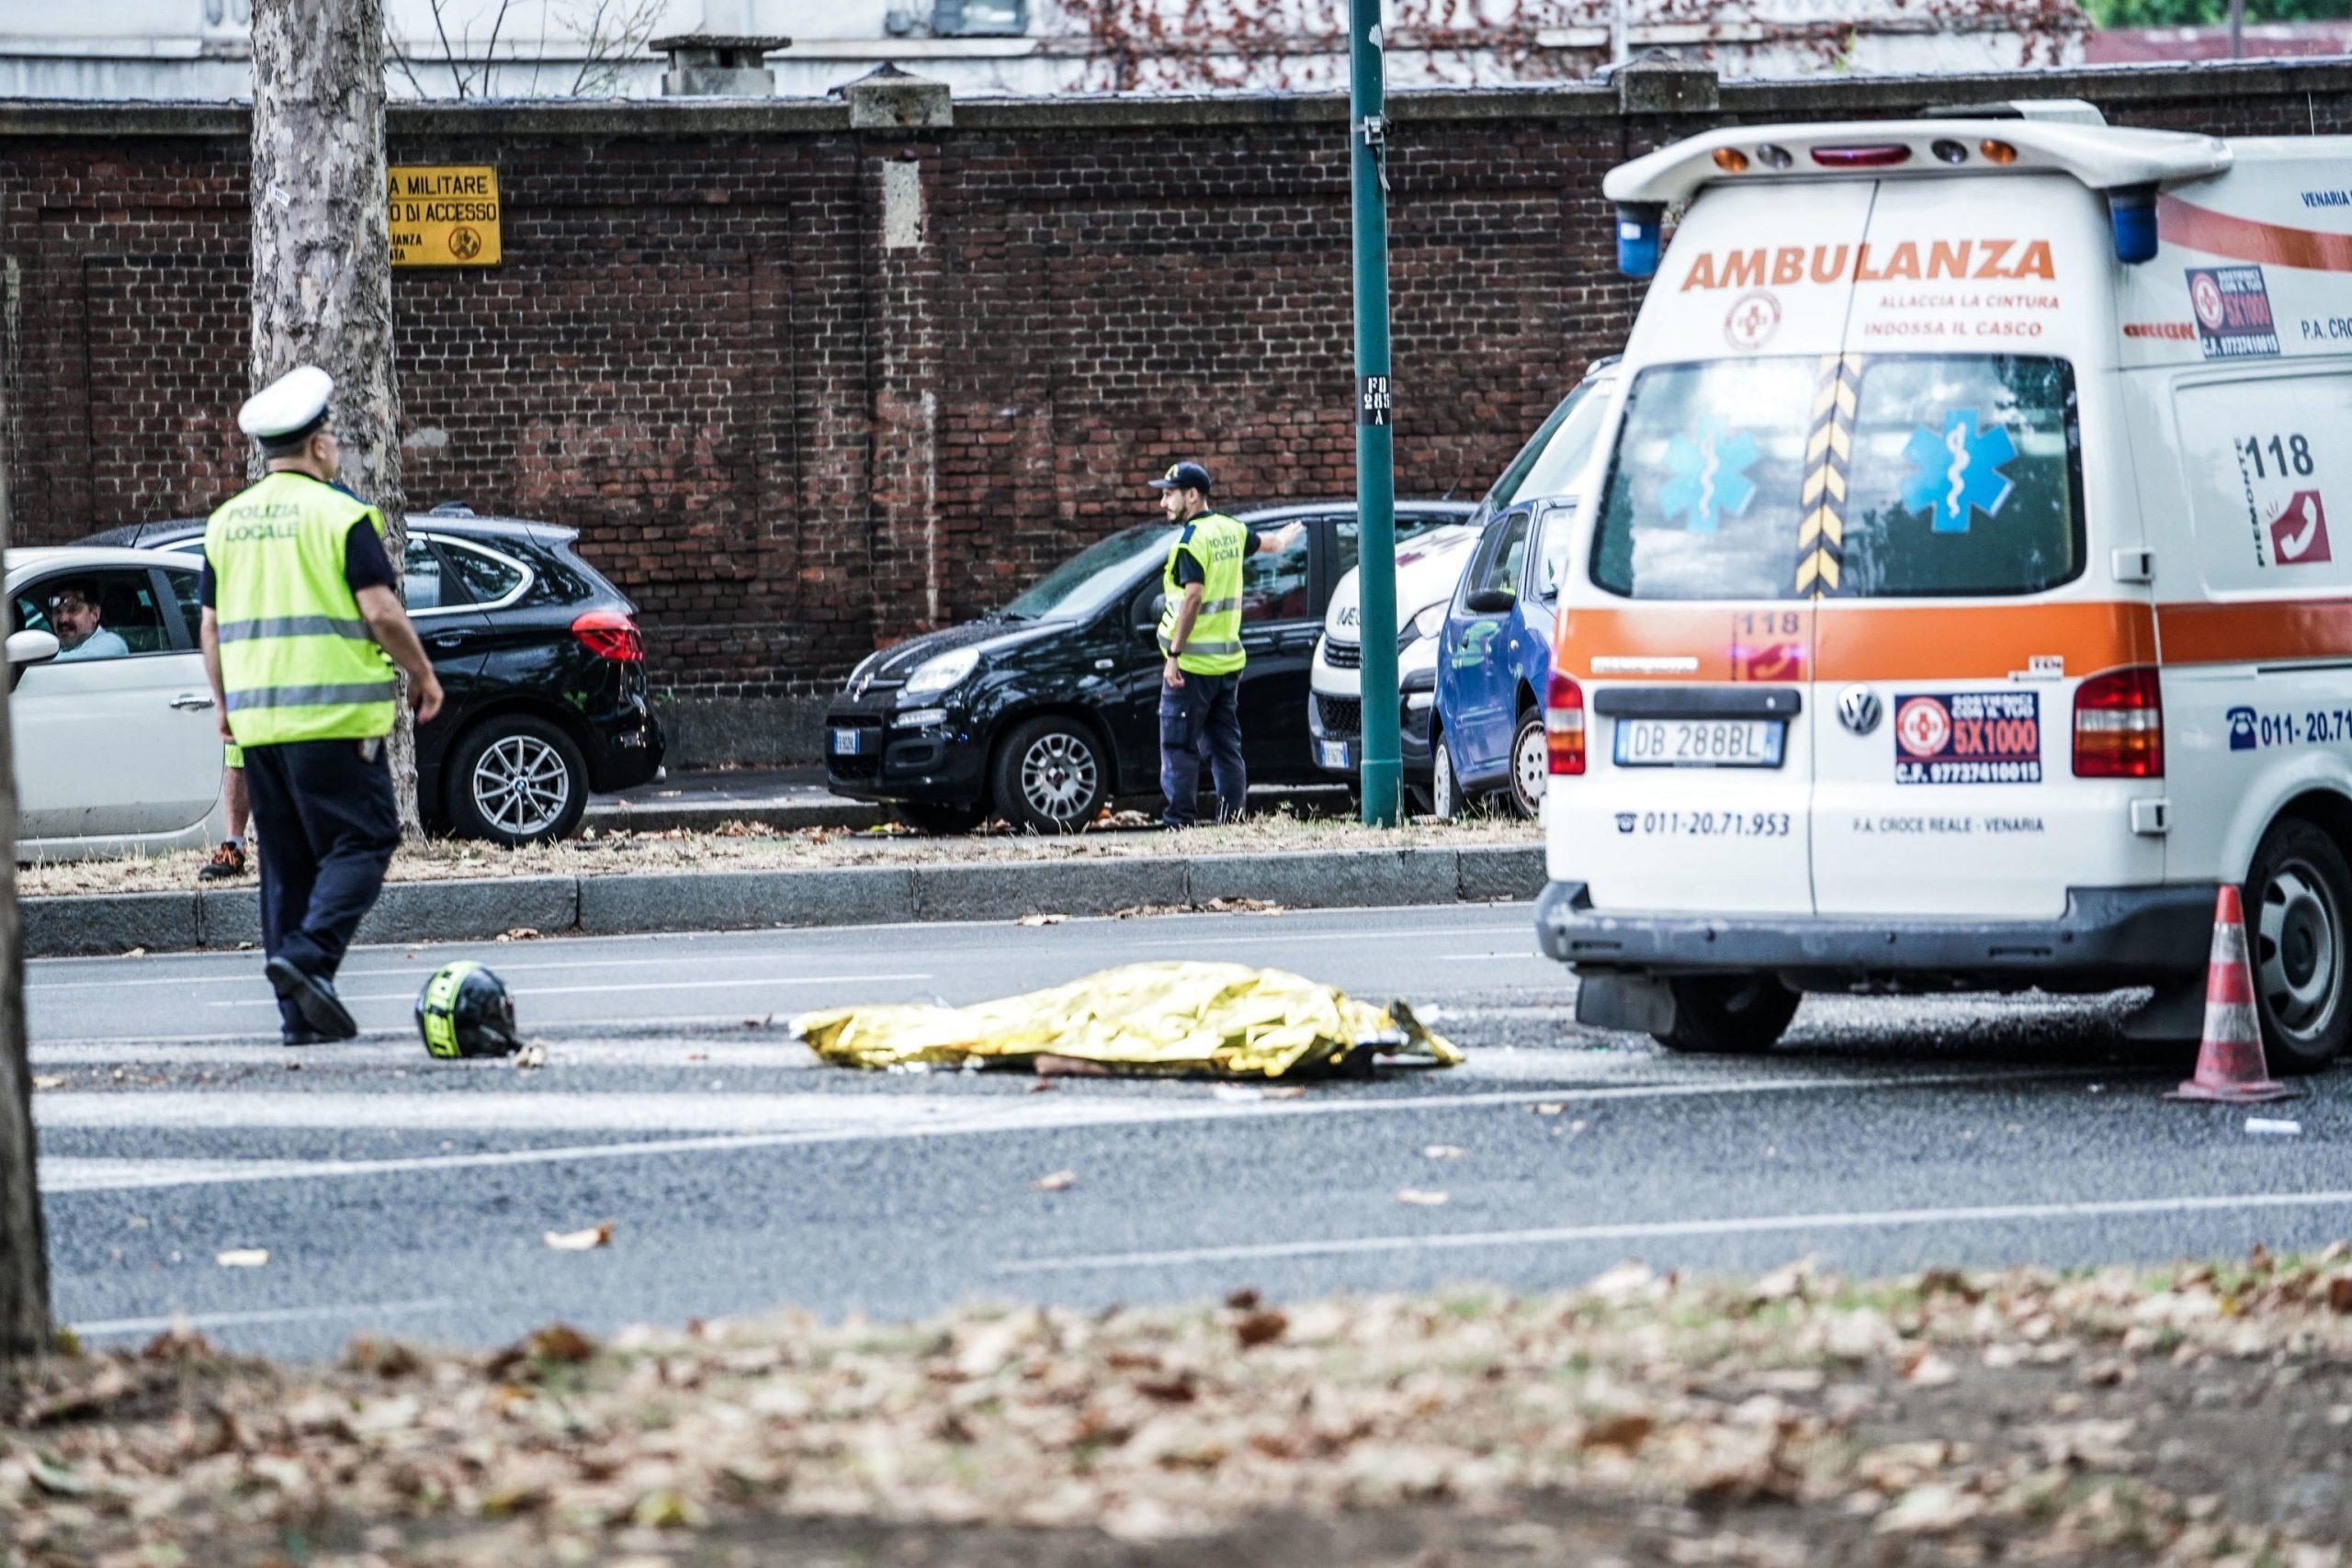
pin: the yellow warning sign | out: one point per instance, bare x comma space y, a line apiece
443, 216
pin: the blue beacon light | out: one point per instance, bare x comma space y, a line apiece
2132, 209
1638, 226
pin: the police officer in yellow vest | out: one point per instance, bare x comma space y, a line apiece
1200, 634
301, 608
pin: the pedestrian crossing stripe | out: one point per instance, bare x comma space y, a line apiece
1829, 447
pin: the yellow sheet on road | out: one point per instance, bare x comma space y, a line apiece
1228, 1019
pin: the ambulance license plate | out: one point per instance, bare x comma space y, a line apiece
1699, 742
848, 742
1334, 754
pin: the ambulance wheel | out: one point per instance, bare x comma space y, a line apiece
940, 818
516, 780
1051, 775
1531, 763
1728, 1014
2297, 896
1445, 795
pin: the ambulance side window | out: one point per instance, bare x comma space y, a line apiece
2261, 463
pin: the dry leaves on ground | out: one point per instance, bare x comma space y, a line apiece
586, 1240
1781, 1419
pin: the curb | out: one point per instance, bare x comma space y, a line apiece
82, 925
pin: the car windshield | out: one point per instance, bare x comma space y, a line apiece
1961, 476
1092, 578
1550, 461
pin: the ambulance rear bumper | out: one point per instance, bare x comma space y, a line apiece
2108, 938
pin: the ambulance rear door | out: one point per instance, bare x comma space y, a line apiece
1689, 628
1988, 507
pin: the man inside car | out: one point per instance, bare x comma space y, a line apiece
74, 613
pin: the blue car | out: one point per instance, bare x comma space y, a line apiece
1494, 650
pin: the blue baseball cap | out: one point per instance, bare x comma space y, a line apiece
1183, 476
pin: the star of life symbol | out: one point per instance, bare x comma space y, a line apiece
1753, 318
1709, 479
1956, 472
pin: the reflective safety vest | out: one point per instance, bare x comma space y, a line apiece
1217, 543
296, 660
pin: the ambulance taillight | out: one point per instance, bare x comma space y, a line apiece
1564, 726
2120, 726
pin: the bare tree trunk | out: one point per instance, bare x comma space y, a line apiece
24, 1254
322, 278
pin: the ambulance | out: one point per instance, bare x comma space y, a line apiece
1958, 607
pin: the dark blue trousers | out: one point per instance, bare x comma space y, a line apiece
327, 827
1200, 721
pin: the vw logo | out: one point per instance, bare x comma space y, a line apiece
1857, 709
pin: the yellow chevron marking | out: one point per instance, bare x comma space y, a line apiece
1819, 443
1841, 440
1818, 523
1845, 396
1836, 483
1815, 484
1830, 569
1807, 570
1821, 404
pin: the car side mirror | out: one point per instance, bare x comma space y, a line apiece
31, 648
1148, 610
1490, 601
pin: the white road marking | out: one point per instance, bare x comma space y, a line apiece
829, 1122
247, 974
1654, 1230
232, 1319
259, 1051
707, 983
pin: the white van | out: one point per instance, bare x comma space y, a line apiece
1960, 608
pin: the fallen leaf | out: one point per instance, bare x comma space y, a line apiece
1548, 1107
135, 952
2339, 1289
582, 1241
519, 933
241, 1257
560, 1342
1443, 1151
54, 1081
1261, 1328
1052, 1067
534, 1055
1041, 1085
1287, 1091
1414, 1195
1043, 920
1618, 1429
1246, 1298
1236, 1091
1061, 1180
1928, 1510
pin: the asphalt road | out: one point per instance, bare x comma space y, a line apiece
398, 1193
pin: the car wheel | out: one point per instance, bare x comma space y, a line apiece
1531, 763
1445, 795
933, 816
2297, 896
516, 781
1728, 1014
1051, 776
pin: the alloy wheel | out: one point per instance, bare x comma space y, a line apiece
1058, 775
1442, 804
521, 786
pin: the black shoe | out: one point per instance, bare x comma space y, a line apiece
301, 1037
314, 997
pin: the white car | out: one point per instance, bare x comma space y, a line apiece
1429, 565
116, 746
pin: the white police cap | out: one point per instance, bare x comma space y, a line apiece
288, 406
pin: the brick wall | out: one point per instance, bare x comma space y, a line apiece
809, 380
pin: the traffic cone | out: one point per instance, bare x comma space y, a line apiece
2230, 1067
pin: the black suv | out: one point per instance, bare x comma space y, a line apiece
1048, 709
541, 661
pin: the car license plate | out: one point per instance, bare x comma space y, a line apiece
1334, 753
1699, 742
848, 742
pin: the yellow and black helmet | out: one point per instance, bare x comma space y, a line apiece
463, 1010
